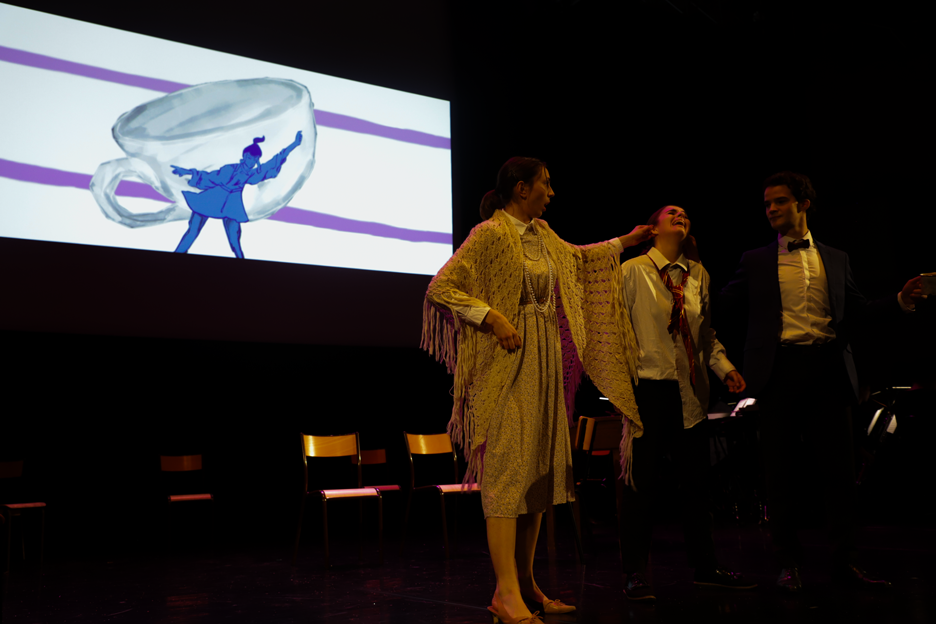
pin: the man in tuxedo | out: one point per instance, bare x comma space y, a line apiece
803, 305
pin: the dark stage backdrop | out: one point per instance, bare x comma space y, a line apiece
633, 105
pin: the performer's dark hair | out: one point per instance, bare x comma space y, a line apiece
253, 148
654, 218
517, 169
799, 185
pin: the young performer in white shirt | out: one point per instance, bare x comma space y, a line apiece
667, 293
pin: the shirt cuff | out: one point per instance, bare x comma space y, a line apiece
722, 367
472, 315
904, 306
618, 247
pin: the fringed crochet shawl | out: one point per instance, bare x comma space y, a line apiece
594, 325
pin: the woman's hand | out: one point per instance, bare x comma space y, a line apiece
735, 382
506, 335
298, 138
179, 171
638, 235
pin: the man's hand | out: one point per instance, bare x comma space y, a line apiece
735, 382
912, 292
506, 335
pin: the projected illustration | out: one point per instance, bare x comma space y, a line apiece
221, 196
202, 124
98, 123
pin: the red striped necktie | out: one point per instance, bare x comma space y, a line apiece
678, 322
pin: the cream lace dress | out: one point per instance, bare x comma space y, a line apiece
527, 458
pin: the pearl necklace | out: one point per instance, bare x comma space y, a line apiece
550, 303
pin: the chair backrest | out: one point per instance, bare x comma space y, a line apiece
348, 445
372, 457
180, 463
429, 444
11, 469
599, 434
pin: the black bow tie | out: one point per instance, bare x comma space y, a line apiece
798, 244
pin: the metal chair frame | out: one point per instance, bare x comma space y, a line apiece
434, 444
181, 464
597, 436
14, 469
348, 445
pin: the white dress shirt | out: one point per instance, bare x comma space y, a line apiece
804, 294
663, 355
474, 315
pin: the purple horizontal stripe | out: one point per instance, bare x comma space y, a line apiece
353, 124
322, 118
341, 224
30, 59
56, 177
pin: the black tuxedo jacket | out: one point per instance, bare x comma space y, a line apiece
756, 286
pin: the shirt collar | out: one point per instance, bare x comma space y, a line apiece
520, 225
783, 241
661, 262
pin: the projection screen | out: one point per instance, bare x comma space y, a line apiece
122, 140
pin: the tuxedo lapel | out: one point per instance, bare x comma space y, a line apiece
771, 276
835, 277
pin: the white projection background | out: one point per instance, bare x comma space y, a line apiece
369, 187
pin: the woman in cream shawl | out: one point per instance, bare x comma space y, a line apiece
518, 314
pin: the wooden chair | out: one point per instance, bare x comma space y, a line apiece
337, 446
186, 464
375, 457
434, 444
14, 470
594, 437
181, 474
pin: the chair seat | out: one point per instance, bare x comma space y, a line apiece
23, 505
350, 493
386, 488
178, 498
452, 488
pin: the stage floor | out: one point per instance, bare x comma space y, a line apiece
257, 584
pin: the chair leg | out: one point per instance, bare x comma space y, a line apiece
41, 538
455, 522
575, 532
409, 500
325, 530
380, 526
360, 530
445, 539
298, 530
9, 538
551, 529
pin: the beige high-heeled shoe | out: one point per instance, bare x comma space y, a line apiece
496, 608
553, 607
550, 607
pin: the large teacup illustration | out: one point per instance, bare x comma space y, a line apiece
203, 127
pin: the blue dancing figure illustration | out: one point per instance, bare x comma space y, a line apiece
221, 192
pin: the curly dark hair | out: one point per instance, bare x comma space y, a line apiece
798, 184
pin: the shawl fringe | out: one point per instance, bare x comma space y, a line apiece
627, 453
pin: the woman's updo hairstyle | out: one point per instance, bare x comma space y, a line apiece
517, 169
253, 148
